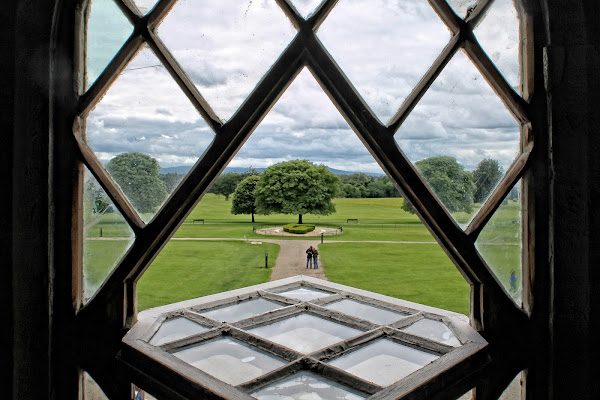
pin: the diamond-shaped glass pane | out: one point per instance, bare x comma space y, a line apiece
91, 389
175, 329
305, 333
365, 311
434, 330
306, 7
383, 362
106, 236
459, 123
462, 7
226, 47
306, 385
229, 360
498, 34
107, 30
245, 309
143, 124
145, 5
499, 243
384, 47
305, 294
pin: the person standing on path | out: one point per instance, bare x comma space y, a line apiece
309, 256
315, 255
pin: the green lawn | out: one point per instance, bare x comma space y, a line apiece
189, 269
100, 257
416, 272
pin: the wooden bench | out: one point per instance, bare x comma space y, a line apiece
355, 220
197, 220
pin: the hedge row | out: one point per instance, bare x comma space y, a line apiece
298, 228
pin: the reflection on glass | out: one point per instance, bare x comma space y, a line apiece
499, 243
383, 362
305, 333
143, 125
306, 385
107, 30
383, 68
106, 236
513, 391
461, 138
498, 34
462, 8
365, 311
306, 7
434, 330
229, 360
305, 294
175, 329
91, 390
226, 47
246, 309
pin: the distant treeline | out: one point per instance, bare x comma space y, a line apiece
362, 185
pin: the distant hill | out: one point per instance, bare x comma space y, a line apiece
184, 169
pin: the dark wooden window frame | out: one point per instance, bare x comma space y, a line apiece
102, 321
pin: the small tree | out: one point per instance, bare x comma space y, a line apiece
450, 182
485, 177
243, 197
137, 175
296, 187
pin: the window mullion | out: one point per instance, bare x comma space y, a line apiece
417, 93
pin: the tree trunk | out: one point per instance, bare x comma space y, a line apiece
299, 218
252, 217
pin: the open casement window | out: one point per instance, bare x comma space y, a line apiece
107, 307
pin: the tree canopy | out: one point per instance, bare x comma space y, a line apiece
363, 185
296, 187
225, 184
450, 182
137, 175
485, 177
243, 197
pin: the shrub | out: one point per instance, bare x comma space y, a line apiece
298, 228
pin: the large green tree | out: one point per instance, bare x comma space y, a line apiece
296, 187
225, 184
485, 177
243, 197
137, 175
450, 182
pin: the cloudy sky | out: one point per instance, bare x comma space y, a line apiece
226, 46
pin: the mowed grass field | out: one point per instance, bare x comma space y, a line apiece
416, 272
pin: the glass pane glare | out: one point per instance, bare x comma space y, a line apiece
461, 138
106, 236
229, 360
383, 362
434, 330
305, 333
305, 385
245, 309
363, 37
499, 243
175, 329
142, 125
498, 34
226, 47
107, 31
306, 7
368, 312
305, 294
